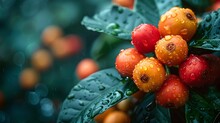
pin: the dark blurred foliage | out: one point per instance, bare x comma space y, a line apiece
21, 25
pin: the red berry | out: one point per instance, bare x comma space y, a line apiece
149, 74
144, 38
173, 93
171, 50
194, 71
126, 61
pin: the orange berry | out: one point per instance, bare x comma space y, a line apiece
50, 34
171, 50
41, 60
86, 67
126, 61
60, 48
117, 117
124, 3
28, 78
100, 118
149, 74
178, 21
125, 105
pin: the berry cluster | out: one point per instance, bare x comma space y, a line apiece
169, 44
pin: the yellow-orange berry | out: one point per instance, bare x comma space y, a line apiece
50, 34
41, 59
171, 50
178, 21
149, 74
28, 78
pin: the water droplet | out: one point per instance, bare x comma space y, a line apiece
158, 69
167, 28
101, 87
112, 26
174, 15
202, 109
120, 10
167, 38
77, 88
105, 102
191, 117
208, 18
81, 103
150, 106
192, 76
183, 32
128, 92
117, 95
163, 18
96, 111
71, 96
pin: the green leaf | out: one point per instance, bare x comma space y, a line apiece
148, 111
198, 4
208, 33
203, 107
106, 48
153, 9
120, 21
93, 95
116, 21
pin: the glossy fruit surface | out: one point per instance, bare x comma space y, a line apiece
171, 50
194, 71
144, 38
126, 61
178, 21
173, 93
149, 74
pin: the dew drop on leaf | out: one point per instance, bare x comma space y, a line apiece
150, 106
101, 87
96, 111
81, 103
71, 96
120, 10
208, 18
105, 102
117, 95
112, 26
128, 92
77, 88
